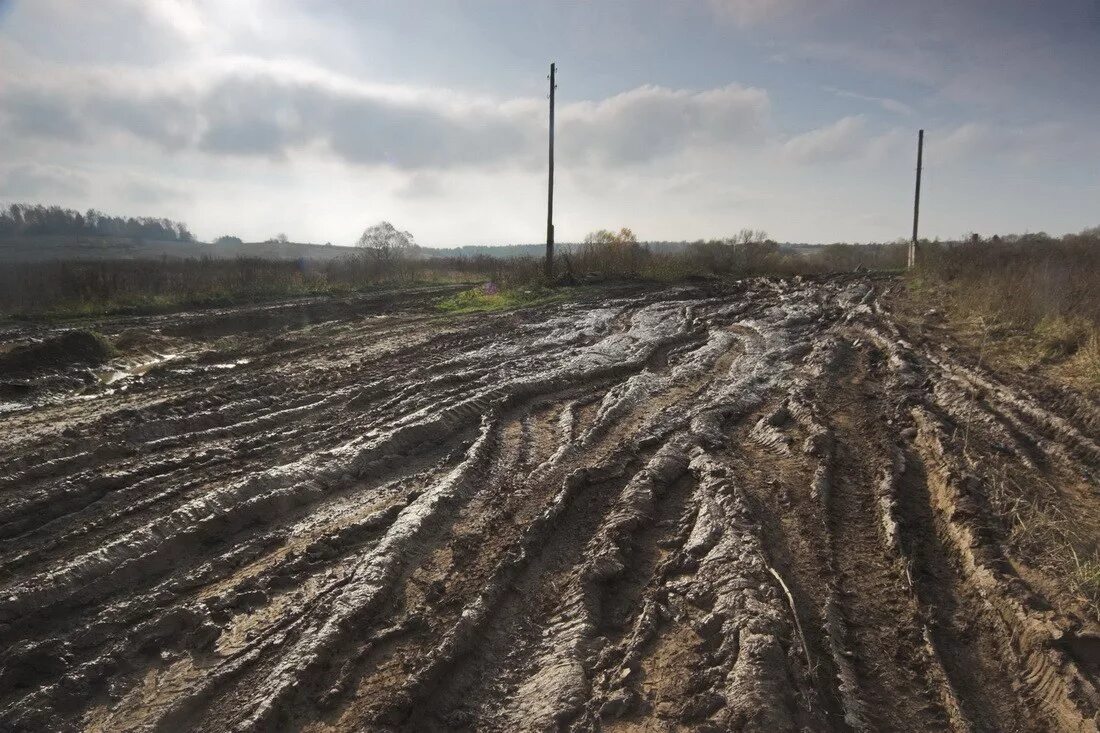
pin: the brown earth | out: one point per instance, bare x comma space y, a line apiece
761, 507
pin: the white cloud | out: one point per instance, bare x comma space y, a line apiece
271, 115
651, 122
184, 17
986, 142
261, 110
837, 141
33, 180
886, 103
147, 192
263, 115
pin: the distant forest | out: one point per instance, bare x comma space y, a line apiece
31, 220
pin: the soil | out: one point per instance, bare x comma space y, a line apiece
57, 351
764, 506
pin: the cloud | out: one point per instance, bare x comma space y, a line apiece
29, 112
889, 54
651, 122
886, 103
149, 191
421, 186
1018, 144
32, 180
755, 12
183, 17
264, 112
842, 139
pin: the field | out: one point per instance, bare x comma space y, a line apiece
765, 505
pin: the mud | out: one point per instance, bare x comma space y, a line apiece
767, 506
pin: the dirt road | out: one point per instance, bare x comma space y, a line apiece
765, 507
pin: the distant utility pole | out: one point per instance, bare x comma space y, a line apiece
916, 201
550, 188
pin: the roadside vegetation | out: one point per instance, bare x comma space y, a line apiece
388, 257
91, 288
1026, 303
748, 253
1032, 301
491, 297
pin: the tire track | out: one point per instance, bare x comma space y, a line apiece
758, 507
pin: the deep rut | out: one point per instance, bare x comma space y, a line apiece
751, 507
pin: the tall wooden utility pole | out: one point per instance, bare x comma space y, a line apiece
550, 188
916, 201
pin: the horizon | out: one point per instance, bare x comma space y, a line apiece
681, 122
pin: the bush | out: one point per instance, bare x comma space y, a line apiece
1024, 280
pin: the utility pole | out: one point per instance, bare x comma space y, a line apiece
916, 202
550, 188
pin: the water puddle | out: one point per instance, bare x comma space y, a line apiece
127, 369
220, 366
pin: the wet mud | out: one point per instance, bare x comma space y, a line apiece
758, 507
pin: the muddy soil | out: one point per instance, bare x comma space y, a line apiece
760, 507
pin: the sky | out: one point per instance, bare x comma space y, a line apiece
681, 119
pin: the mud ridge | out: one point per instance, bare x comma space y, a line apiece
762, 506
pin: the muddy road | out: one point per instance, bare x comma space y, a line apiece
766, 507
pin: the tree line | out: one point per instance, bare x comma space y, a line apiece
31, 220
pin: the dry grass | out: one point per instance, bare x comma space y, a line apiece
1030, 302
80, 288
96, 287
611, 254
1036, 297
1039, 529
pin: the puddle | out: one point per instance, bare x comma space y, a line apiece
127, 369
223, 365
229, 364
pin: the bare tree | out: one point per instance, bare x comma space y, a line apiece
749, 236
386, 240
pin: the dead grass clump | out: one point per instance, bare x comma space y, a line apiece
1045, 289
1086, 362
1039, 529
1063, 336
1086, 579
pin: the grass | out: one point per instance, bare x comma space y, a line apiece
103, 343
73, 289
1064, 350
1086, 362
488, 298
1086, 579
1054, 541
1027, 303
159, 303
1036, 299
169, 302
